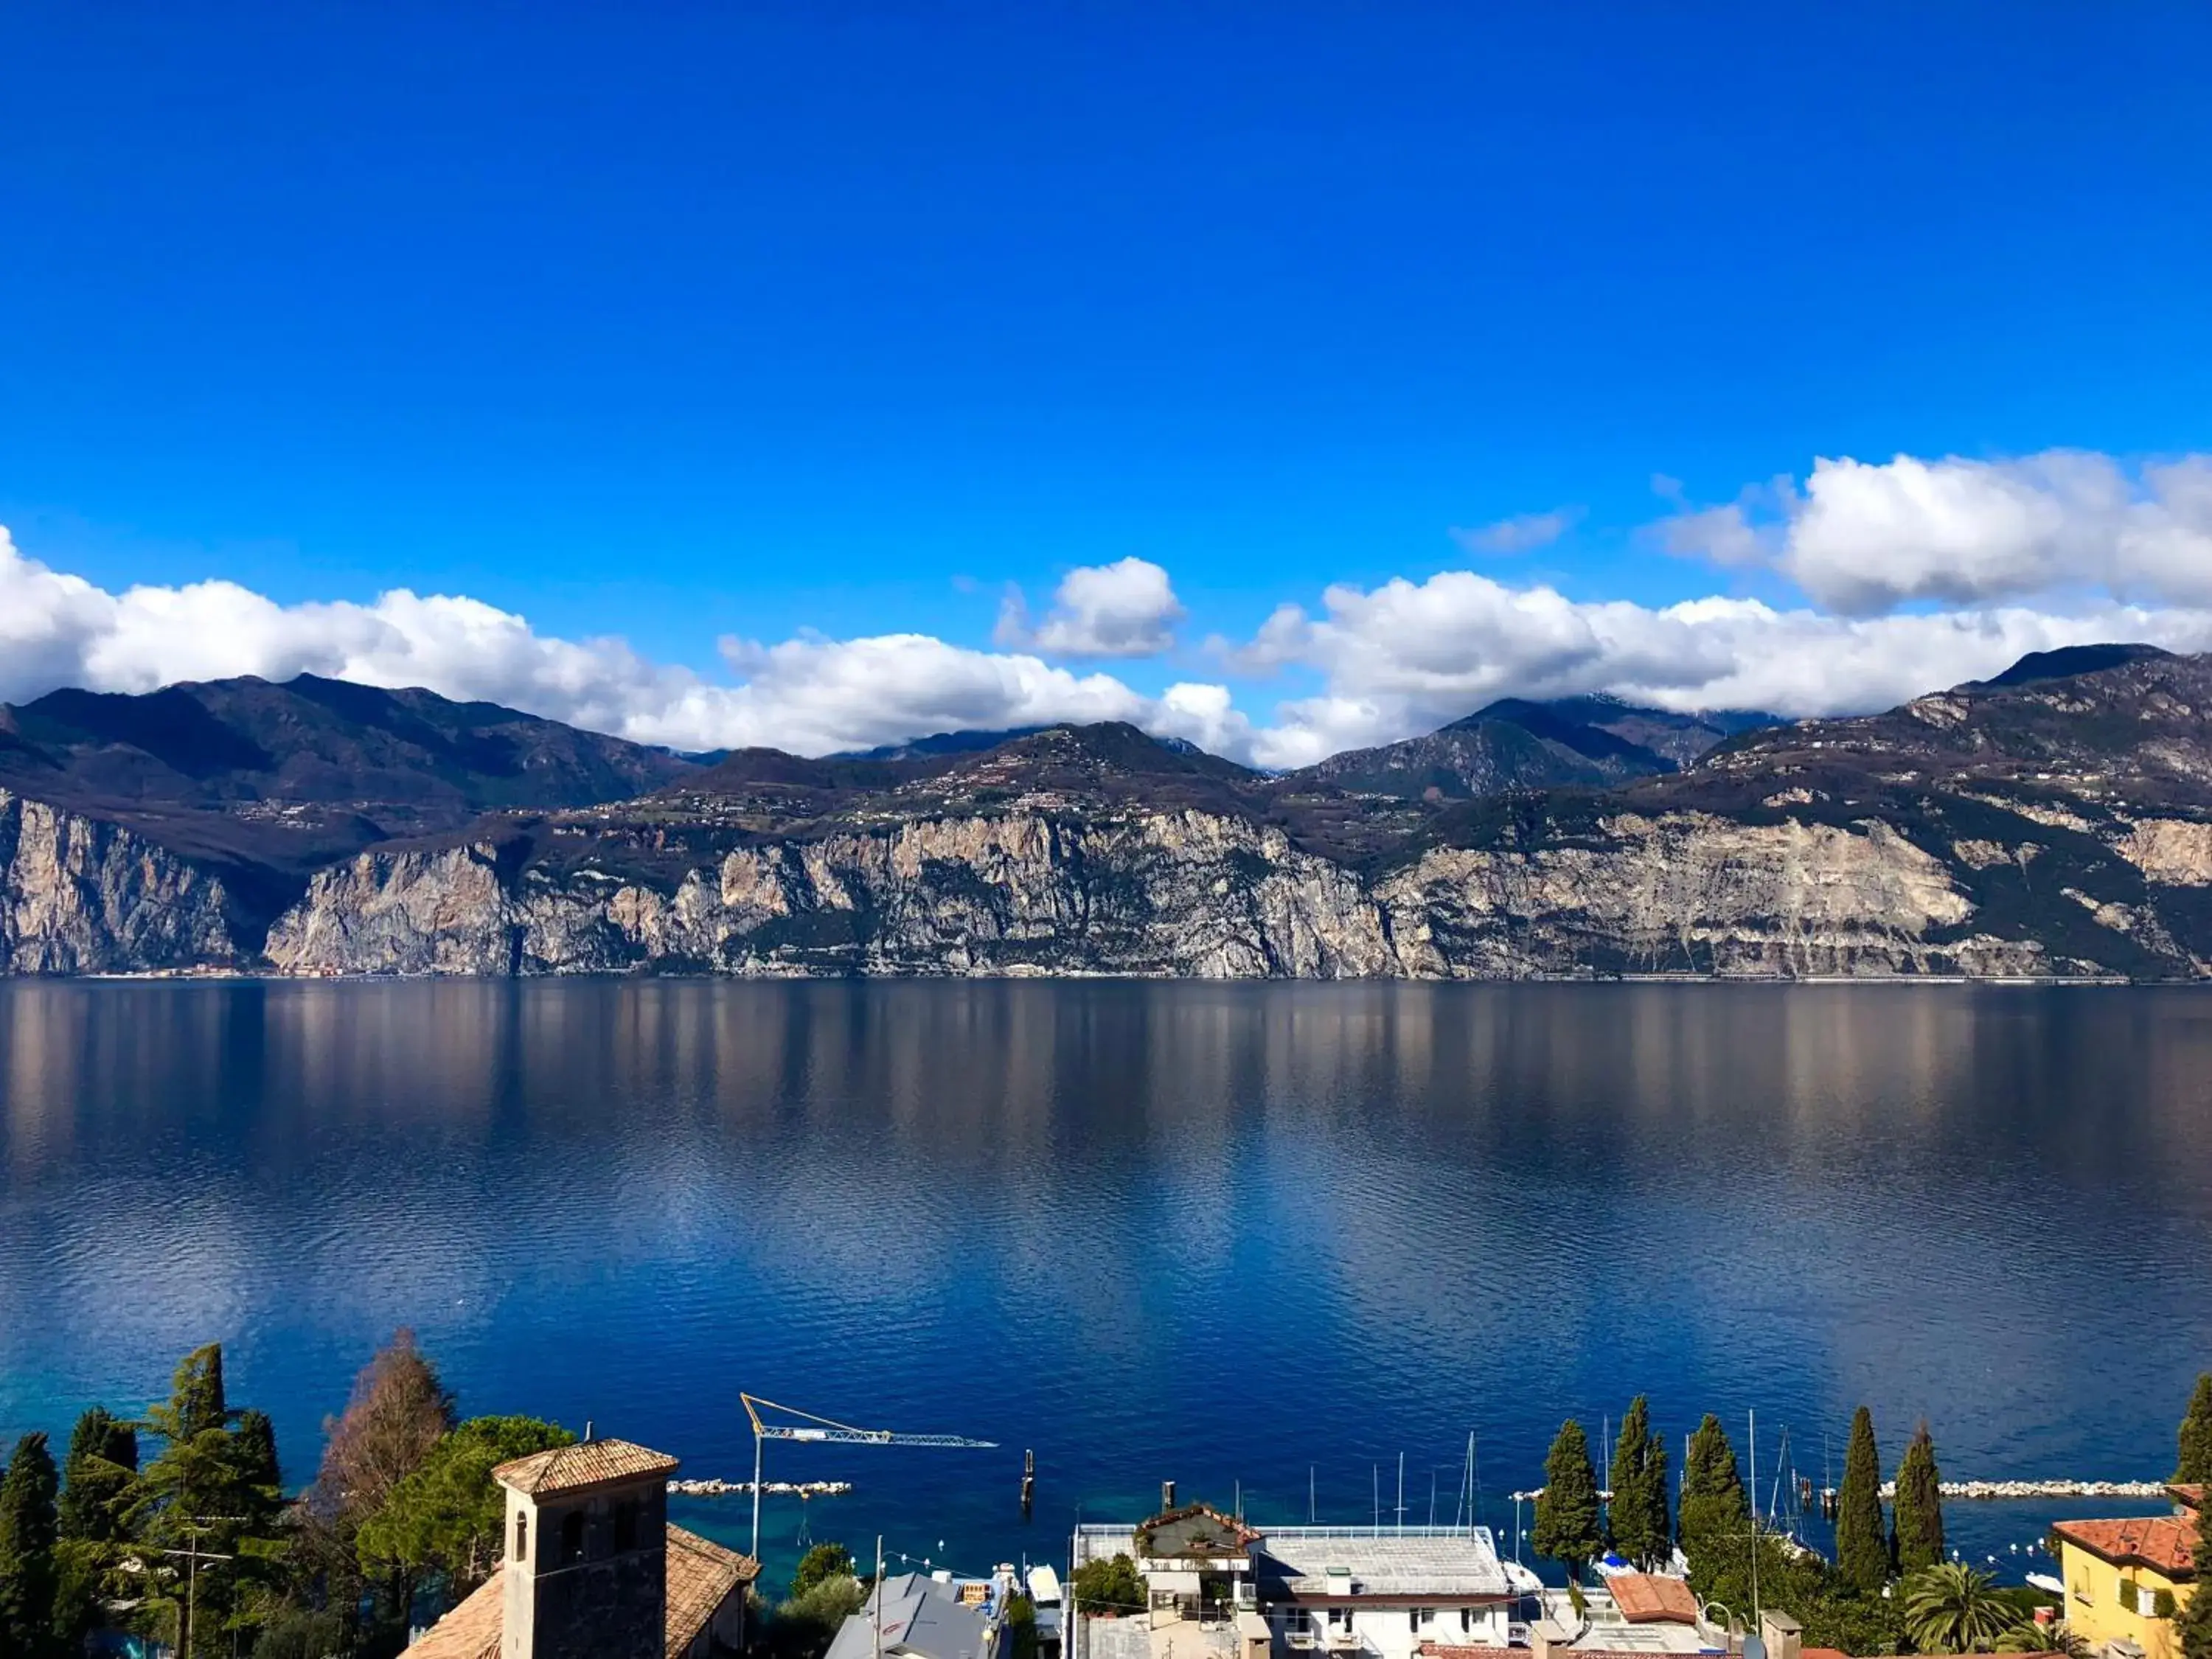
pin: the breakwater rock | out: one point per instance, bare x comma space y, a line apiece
2000, 1490
712, 1488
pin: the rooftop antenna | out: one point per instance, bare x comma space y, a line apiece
831, 1432
1474, 1480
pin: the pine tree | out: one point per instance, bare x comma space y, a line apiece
1636, 1516
27, 1582
2196, 1467
204, 1492
1862, 1551
98, 1477
1566, 1511
102, 1461
1714, 1505
444, 1519
1916, 1516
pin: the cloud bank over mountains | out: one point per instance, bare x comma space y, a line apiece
1915, 574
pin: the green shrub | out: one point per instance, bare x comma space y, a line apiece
1114, 1586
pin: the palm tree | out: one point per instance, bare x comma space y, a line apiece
2028, 1637
1951, 1608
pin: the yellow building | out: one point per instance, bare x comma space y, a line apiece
2125, 1579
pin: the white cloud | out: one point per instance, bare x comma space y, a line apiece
1406, 657
1523, 533
814, 695
1863, 539
2062, 550
1126, 609
809, 694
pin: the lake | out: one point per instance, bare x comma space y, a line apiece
1261, 1239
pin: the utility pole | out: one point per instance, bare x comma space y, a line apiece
1753, 1417
193, 1556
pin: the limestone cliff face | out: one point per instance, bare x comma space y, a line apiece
1179, 894
80, 895
1183, 893
1690, 893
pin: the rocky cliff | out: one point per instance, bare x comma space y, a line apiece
2055, 824
78, 896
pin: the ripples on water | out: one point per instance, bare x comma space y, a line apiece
1222, 1233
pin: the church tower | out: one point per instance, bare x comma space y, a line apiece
586, 1572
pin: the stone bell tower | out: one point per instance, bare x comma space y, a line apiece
586, 1572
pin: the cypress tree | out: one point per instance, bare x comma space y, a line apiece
1658, 1524
1714, 1505
1566, 1513
1862, 1551
1916, 1516
2196, 1466
2192, 1625
28, 1493
254, 1450
1636, 1516
196, 1394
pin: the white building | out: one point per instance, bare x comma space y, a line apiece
1381, 1593
1318, 1592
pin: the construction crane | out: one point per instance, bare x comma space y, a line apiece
811, 1427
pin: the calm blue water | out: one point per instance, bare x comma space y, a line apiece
1241, 1234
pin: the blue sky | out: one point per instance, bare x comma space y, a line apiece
687, 322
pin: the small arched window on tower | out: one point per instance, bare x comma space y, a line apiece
522, 1538
626, 1525
572, 1537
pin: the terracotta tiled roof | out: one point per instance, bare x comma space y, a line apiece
701, 1575
471, 1630
1196, 1531
1645, 1598
588, 1463
2163, 1543
2192, 1495
1824, 1652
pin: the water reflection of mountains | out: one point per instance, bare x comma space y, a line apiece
1147, 1226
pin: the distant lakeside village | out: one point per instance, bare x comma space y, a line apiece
170, 1536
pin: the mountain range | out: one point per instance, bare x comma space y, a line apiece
2053, 822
